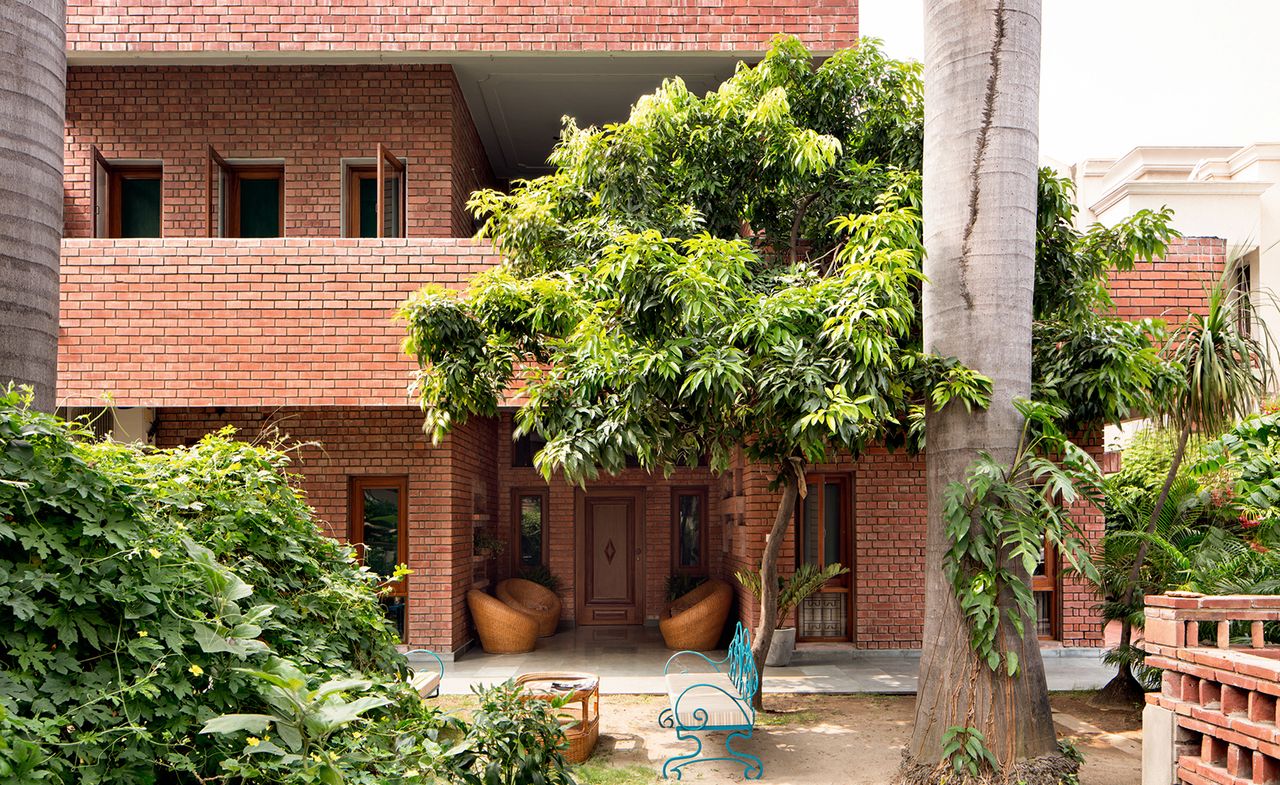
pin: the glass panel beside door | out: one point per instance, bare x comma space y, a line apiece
825, 537
378, 530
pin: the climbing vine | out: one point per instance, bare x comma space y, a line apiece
998, 520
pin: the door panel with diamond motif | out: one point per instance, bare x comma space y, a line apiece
611, 549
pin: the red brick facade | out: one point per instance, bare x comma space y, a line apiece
311, 117
1167, 288
101, 28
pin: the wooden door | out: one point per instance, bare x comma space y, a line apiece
825, 537
611, 564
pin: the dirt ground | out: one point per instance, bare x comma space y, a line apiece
835, 739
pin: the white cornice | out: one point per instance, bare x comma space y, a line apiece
367, 57
1177, 188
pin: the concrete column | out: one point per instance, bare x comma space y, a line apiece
1159, 746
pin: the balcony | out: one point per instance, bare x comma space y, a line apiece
220, 322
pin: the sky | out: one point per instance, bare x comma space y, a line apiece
1117, 74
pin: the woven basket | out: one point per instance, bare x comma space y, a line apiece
502, 629
534, 599
582, 724
698, 618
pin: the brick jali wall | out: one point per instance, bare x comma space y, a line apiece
310, 116
169, 27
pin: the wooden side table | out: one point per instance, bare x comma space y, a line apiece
581, 715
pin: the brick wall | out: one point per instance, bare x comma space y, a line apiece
310, 116
469, 166
447, 484
245, 322
173, 27
1167, 288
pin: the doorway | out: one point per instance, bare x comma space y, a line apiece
611, 564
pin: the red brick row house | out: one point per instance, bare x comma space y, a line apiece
252, 190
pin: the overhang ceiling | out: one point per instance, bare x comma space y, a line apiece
517, 101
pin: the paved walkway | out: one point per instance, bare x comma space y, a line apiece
629, 660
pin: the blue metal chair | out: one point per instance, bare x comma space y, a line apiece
716, 701
426, 683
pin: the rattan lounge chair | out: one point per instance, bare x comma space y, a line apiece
534, 599
502, 629
697, 619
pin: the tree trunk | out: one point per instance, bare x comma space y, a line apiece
33, 67
791, 490
982, 60
1123, 689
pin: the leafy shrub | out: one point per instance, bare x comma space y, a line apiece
680, 585
512, 741
543, 576
140, 591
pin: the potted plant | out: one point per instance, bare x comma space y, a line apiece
803, 583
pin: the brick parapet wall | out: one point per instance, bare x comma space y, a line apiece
292, 321
98, 28
311, 117
1169, 287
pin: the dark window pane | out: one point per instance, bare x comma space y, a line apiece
809, 529
530, 531
831, 515
139, 207
526, 447
382, 529
690, 523
260, 207
391, 210
394, 608
368, 188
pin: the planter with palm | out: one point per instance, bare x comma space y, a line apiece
806, 581
1224, 372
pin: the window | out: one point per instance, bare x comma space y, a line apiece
825, 538
530, 528
379, 508
1044, 587
689, 531
126, 197
525, 448
245, 198
374, 197
1243, 286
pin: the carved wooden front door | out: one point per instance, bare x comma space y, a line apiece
611, 588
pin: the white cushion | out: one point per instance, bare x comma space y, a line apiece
723, 710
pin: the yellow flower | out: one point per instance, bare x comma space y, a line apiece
142, 633
253, 741
196, 670
155, 553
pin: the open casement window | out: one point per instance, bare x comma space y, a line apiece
379, 517
244, 198
825, 537
529, 528
1044, 587
126, 197
689, 531
374, 194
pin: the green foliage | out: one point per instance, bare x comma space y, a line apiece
802, 584
680, 585
512, 740
998, 521
733, 270
543, 576
967, 752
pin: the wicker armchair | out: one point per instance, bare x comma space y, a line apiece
697, 619
534, 599
502, 629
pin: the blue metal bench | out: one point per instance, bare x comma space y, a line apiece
719, 700
426, 682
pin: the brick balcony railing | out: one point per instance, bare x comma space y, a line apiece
1222, 691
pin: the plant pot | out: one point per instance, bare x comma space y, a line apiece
781, 647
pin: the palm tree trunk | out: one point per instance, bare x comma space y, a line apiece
33, 67
982, 60
791, 490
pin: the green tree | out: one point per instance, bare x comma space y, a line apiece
732, 271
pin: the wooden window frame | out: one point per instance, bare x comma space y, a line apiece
702, 568
544, 494
386, 159
355, 511
224, 202
115, 172
1051, 583
845, 583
